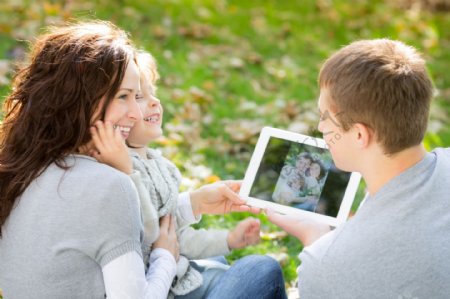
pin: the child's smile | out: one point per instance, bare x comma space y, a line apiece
153, 118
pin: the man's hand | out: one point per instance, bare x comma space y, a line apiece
219, 198
110, 147
244, 234
306, 230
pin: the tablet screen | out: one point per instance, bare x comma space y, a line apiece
301, 176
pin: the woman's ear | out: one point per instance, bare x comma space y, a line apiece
363, 135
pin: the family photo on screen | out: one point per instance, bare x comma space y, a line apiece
302, 178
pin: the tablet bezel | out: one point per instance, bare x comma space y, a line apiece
252, 170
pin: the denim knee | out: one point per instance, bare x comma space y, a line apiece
264, 275
263, 260
263, 266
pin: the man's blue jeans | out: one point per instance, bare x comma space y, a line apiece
253, 276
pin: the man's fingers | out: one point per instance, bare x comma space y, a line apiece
291, 224
280, 220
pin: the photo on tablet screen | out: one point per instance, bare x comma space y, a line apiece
301, 176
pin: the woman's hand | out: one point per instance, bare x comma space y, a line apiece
110, 147
244, 234
219, 198
167, 236
306, 230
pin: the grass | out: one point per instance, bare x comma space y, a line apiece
230, 67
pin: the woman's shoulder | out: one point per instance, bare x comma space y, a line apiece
82, 189
91, 167
87, 172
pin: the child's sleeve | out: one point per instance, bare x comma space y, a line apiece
202, 243
197, 244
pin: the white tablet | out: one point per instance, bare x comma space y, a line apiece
295, 174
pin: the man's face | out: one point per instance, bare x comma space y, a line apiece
338, 141
303, 163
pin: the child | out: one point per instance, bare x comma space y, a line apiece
287, 189
157, 181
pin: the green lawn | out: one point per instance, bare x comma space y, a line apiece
230, 67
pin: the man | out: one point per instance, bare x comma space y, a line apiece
374, 102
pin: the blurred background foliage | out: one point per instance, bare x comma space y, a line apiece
230, 67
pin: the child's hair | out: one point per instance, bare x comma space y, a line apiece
384, 85
73, 74
296, 179
147, 68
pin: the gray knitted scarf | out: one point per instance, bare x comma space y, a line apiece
161, 178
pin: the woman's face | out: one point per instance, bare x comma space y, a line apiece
123, 111
314, 170
149, 127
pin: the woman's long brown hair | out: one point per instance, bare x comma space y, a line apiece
73, 73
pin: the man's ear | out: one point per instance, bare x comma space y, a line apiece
363, 134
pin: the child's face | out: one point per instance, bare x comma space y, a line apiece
296, 183
149, 127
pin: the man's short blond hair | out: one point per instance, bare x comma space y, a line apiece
384, 85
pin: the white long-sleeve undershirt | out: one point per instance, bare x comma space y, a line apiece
124, 277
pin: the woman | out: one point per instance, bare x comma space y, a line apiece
70, 226
63, 215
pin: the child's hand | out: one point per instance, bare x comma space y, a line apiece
219, 198
111, 148
244, 234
